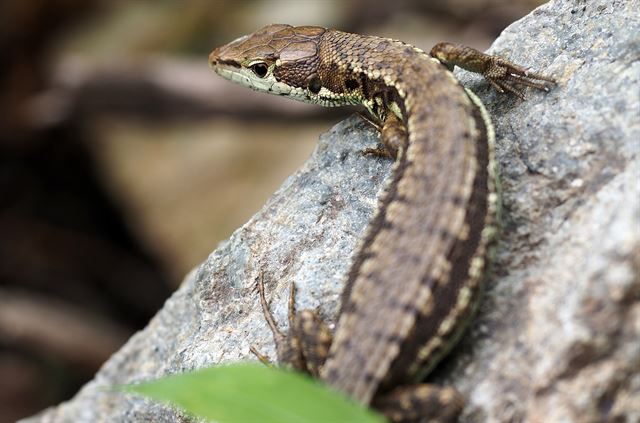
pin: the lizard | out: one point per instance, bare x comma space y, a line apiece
418, 273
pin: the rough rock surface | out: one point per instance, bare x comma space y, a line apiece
556, 338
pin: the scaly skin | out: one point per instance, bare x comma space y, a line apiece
417, 276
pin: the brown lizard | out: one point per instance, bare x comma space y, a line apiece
417, 276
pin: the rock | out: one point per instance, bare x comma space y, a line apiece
556, 338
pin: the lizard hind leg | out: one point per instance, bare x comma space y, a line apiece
314, 338
421, 402
306, 346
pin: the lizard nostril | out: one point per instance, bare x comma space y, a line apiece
213, 58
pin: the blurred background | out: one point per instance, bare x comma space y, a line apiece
124, 160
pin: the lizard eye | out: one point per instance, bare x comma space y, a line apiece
314, 84
260, 69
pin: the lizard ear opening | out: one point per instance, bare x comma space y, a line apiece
313, 84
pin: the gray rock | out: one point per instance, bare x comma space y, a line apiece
556, 338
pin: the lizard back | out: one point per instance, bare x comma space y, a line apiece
414, 263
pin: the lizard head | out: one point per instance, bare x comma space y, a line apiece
278, 59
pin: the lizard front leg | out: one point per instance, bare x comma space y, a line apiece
502, 74
393, 137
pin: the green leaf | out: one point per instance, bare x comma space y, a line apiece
254, 393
